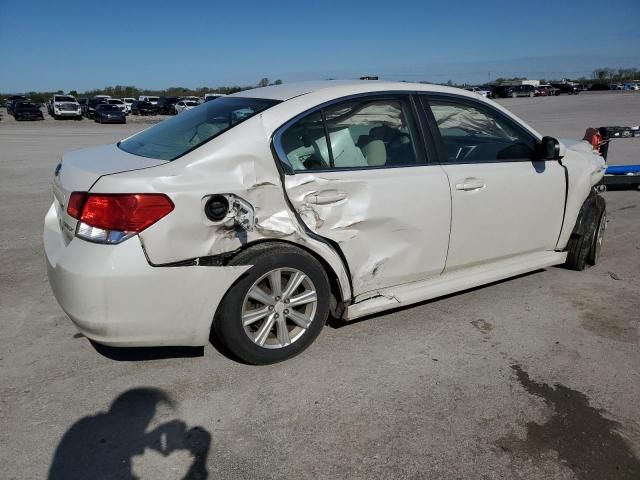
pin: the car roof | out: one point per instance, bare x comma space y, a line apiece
287, 91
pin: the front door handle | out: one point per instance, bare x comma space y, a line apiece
470, 184
326, 196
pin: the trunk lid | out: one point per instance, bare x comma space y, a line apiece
80, 169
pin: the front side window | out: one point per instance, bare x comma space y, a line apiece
363, 133
178, 135
472, 134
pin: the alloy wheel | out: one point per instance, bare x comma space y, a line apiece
279, 308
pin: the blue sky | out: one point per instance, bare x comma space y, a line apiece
81, 45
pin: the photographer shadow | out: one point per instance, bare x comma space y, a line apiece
114, 444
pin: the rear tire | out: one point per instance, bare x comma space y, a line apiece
244, 340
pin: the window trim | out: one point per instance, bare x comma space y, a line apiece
427, 97
420, 148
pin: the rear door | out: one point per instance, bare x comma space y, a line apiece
504, 202
369, 190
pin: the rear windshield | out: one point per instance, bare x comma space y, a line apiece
178, 135
64, 99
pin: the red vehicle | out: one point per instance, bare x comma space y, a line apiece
542, 91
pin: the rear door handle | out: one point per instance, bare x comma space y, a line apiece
326, 196
470, 184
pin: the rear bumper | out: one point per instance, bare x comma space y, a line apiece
122, 119
115, 297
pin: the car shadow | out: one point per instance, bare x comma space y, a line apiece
136, 354
340, 323
118, 443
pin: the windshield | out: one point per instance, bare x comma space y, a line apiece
115, 102
108, 108
26, 106
63, 99
175, 137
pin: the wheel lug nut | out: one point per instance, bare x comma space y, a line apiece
286, 312
286, 300
277, 316
270, 307
277, 299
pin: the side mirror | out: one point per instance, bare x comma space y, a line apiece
549, 149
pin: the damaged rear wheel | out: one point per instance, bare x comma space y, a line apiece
277, 309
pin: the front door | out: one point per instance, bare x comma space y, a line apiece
369, 190
504, 202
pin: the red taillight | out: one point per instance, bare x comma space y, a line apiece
127, 212
76, 201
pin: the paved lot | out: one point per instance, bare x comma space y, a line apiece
537, 377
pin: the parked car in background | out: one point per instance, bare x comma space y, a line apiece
128, 102
106, 97
92, 103
191, 98
118, 103
483, 92
191, 228
184, 105
27, 111
140, 107
566, 87
83, 104
106, 113
149, 98
631, 86
544, 90
64, 106
515, 91
12, 100
166, 105
212, 96
499, 91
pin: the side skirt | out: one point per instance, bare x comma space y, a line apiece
447, 283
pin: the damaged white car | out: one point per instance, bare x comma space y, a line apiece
256, 216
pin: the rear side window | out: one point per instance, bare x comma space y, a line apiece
471, 134
362, 133
175, 137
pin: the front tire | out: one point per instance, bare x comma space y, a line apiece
585, 243
277, 309
598, 239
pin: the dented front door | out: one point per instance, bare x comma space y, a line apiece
391, 224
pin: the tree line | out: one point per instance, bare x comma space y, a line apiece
129, 91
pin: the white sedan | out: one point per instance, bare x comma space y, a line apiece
184, 105
255, 216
